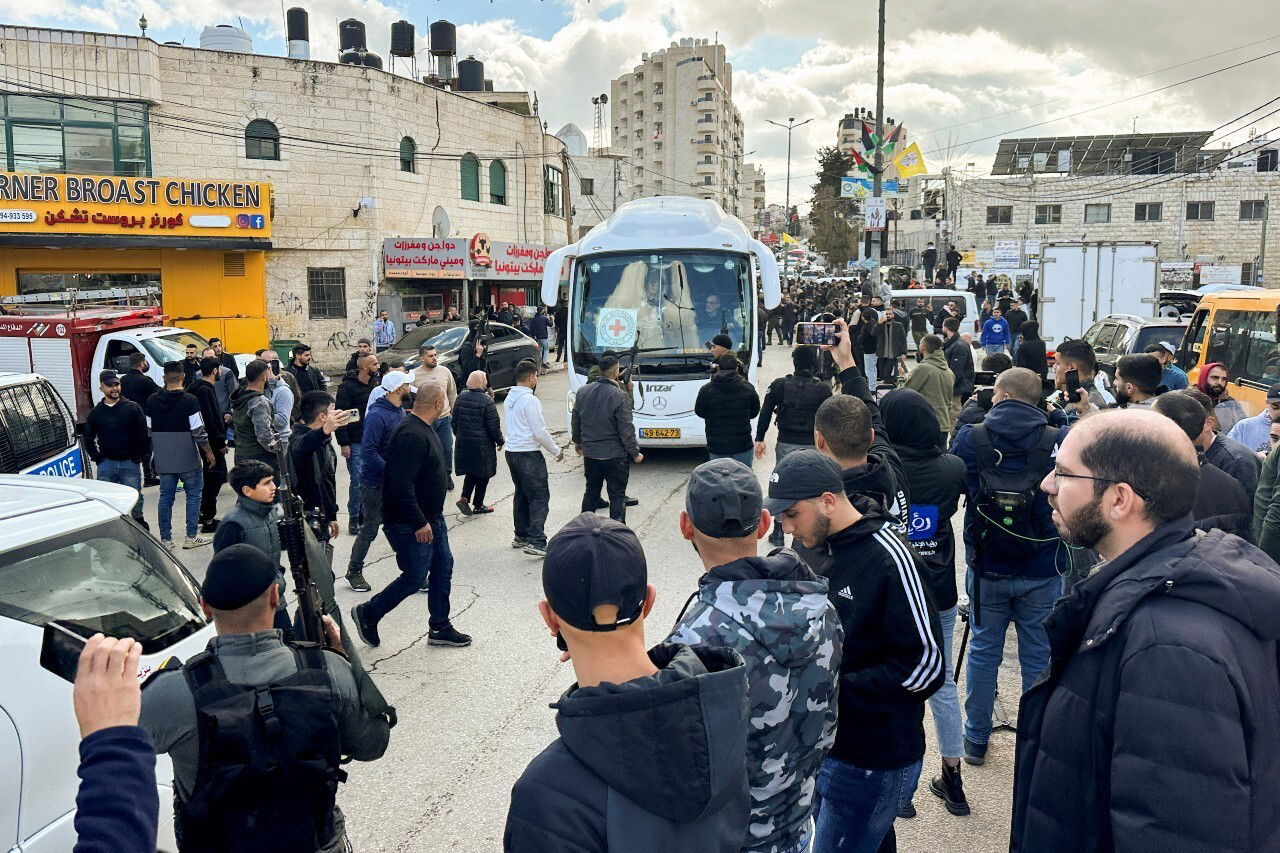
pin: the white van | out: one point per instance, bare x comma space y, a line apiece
936, 299
69, 551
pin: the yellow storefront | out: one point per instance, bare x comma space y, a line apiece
201, 242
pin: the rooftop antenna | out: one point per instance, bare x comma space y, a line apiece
599, 102
142, 25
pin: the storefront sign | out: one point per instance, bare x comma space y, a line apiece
512, 262
435, 257
1008, 253
1177, 274
1219, 273
91, 204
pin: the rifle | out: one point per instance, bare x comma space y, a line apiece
307, 623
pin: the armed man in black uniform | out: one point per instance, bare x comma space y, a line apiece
795, 399
256, 727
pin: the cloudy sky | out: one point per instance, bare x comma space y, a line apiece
961, 74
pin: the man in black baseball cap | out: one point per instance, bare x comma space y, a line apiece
891, 661
659, 736
117, 439
246, 679
774, 612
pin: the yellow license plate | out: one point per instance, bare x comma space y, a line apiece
660, 432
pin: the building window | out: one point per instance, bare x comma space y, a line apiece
469, 174
74, 135
1148, 211
261, 140
588, 186
1000, 215
1200, 211
552, 191
327, 293
1251, 211
1268, 160
497, 182
1096, 214
408, 155
1048, 214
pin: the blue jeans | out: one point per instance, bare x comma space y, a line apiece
1025, 601
869, 368
545, 344
992, 349
418, 561
854, 809
444, 431
355, 494
744, 457
945, 706
193, 484
126, 473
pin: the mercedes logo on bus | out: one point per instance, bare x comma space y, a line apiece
658, 404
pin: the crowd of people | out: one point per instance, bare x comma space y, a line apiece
1127, 529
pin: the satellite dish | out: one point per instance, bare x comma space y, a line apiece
440, 222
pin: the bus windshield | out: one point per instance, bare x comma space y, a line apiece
666, 303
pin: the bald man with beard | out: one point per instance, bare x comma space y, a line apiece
1157, 723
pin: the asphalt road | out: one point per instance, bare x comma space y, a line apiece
471, 719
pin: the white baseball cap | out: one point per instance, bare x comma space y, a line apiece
395, 379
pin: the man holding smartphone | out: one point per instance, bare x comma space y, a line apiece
314, 462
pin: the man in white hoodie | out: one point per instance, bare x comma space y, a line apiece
527, 437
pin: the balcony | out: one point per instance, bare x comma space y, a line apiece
704, 147
706, 120
707, 83
705, 165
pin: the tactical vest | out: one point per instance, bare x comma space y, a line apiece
268, 773
1006, 519
798, 402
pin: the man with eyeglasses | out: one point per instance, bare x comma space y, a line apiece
1157, 725
1012, 548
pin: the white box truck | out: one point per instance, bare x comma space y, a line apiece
1079, 283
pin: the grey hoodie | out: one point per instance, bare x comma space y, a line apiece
775, 612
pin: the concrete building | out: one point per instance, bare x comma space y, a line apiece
849, 136
597, 180
674, 118
383, 192
1202, 206
753, 202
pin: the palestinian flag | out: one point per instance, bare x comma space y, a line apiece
863, 165
892, 139
869, 139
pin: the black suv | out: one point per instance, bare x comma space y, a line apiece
1124, 334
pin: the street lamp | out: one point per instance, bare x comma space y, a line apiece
788, 127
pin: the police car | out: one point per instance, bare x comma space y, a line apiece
70, 552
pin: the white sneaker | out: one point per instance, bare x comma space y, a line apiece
196, 541
168, 543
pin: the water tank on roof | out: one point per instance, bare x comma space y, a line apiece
402, 37
444, 38
226, 37
488, 85
371, 60
351, 35
350, 57
297, 33
470, 75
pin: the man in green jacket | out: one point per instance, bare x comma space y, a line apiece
1266, 507
933, 378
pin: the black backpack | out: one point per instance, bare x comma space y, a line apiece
1005, 505
268, 773
805, 395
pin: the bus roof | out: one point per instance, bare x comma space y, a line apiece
667, 222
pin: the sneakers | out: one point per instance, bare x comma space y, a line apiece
907, 811
951, 790
368, 632
482, 510
975, 753
357, 582
518, 543
210, 526
168, 543
196, 542
463, 506
448, 636
535, 550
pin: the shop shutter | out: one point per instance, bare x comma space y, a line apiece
470, 175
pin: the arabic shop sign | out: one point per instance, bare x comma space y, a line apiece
478, 258
435, 257
93, 204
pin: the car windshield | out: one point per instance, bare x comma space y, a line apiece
172, 347
1149, 335
443, 339
673, 302
111, 578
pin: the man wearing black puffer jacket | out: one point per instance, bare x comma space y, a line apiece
1157, 723
728, 403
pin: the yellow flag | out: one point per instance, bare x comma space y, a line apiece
910, 162
787, 238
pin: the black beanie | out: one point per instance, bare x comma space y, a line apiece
804, 358
236, 576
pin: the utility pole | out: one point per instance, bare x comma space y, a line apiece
877, 249
1258, 273
568, 203
788, 127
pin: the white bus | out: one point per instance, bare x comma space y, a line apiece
654, 284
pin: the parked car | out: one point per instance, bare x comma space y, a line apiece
1123, 334
507, 347
37, 429
70, 552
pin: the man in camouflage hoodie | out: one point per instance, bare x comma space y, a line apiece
775, 612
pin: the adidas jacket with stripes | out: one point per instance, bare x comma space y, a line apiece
892, 657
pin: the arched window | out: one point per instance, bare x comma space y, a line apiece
470, 174
408, 155
497, 182
261, 140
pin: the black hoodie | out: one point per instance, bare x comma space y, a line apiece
937, 481
891, 661
727, 403
655, 764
